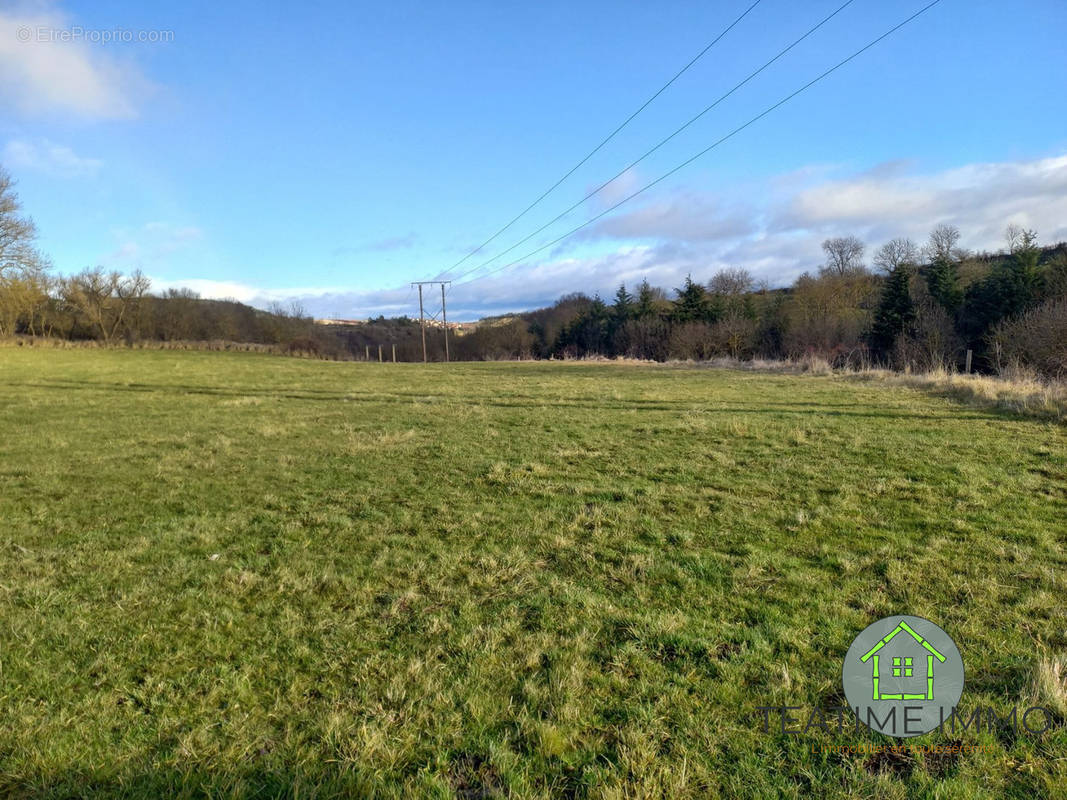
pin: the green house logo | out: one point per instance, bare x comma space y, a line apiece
903, 676
903, 666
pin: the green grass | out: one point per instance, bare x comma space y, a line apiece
234, 575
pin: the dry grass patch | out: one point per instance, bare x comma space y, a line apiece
1016, 391
1049, 687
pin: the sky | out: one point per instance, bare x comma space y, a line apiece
330, 153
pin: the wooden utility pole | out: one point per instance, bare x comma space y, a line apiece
444, 319
422, 323
422, 315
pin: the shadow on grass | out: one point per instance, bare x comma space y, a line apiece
228, 781
467, 775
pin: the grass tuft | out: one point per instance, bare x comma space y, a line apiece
1049, 687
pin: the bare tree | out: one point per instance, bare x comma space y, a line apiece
1019, 238
1037, 337
107, 300
829, 314
729, 290
295, 310
24, 301
731, 282
24, 282
896, 253
17, 233
943, 245
844, 255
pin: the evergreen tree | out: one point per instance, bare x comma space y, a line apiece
623, 309
1013, 286
588, 332
646, 301
1054, 277
942, 279
1026, 264
597, 309
1019, 285
718, 307
896, 311
692, 303
748, 308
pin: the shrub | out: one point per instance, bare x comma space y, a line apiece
304, 345
1037, 338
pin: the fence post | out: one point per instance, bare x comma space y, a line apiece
968, 367
394, 353
379, 354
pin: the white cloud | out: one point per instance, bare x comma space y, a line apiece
980, 199
685, 216
529, 286
231, 290
48, 157
209, 289
617, 189
40, 72
261, 297
498, 294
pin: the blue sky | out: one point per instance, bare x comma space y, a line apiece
332, 152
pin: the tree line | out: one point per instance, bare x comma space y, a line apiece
914, 306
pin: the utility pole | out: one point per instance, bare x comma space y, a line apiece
422, 316
422, 324
444, 320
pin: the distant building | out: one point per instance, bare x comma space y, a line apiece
340, 322
458, 327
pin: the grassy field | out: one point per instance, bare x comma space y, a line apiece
236, 575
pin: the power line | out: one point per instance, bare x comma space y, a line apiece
712, 146
607, 139
658, 145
